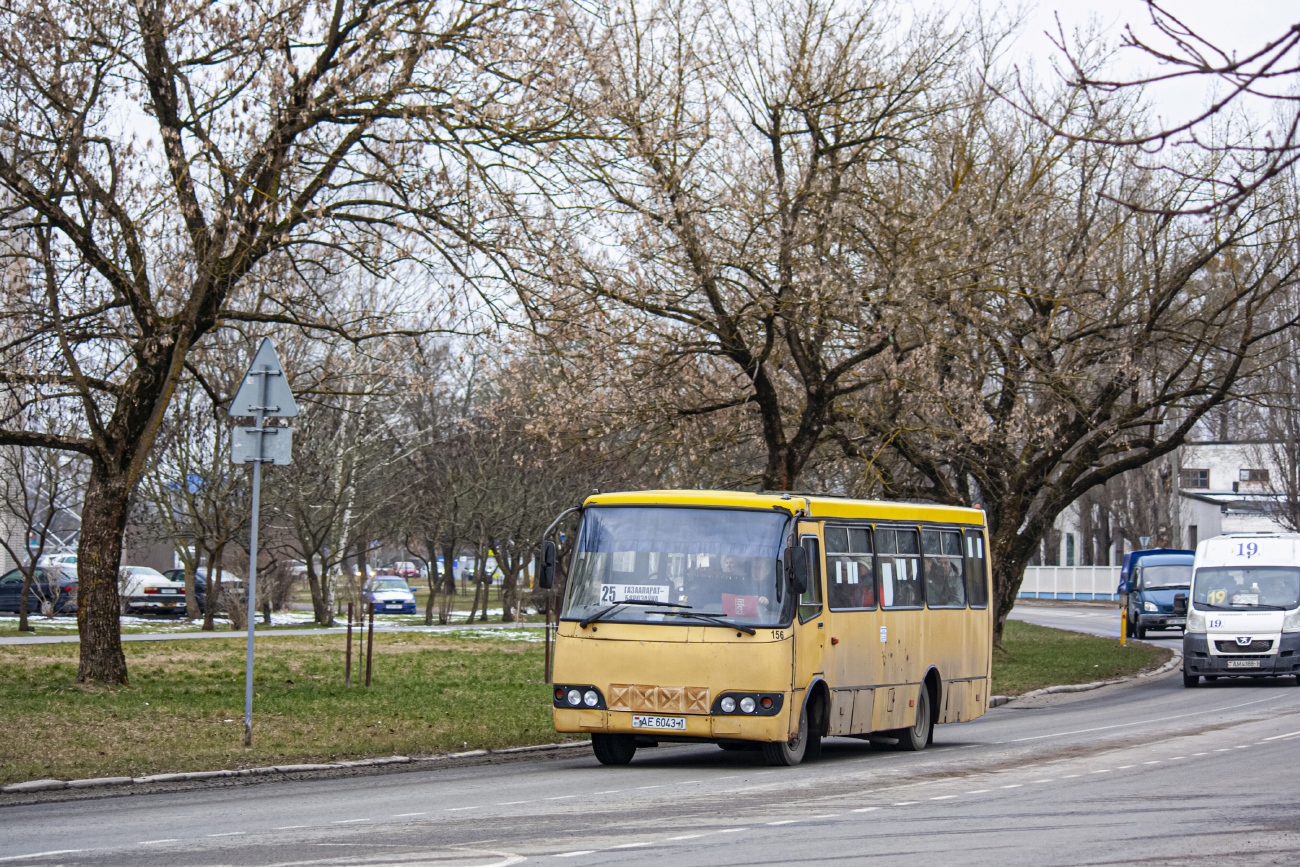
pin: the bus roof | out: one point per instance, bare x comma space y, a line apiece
817, 505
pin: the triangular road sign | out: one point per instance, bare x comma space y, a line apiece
276, 400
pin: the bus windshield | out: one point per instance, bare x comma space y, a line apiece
1177, 576
716, 561
1229, 587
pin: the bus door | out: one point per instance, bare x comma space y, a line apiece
810, 620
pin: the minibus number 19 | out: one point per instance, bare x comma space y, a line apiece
1247, 549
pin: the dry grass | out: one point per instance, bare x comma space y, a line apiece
184, 708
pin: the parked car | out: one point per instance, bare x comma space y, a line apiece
68, 559
389, 593
1151, 579
57, 585
147, 591
231, 587
405, 568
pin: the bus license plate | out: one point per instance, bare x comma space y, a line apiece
1243, 663
677, 723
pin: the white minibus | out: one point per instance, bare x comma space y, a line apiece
1243, 617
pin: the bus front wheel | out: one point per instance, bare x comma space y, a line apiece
613, 749
918, 735
788, 753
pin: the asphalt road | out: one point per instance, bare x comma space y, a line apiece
1096, 619
1140, 773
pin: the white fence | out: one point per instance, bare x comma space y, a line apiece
1070, 582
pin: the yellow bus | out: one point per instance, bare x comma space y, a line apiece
769, 621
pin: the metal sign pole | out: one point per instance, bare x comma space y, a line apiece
251, 613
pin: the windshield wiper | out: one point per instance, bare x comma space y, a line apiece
715, 618
652, 602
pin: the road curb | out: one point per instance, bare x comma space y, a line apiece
1174, 662
31, 786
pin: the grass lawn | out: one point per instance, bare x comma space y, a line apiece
432, 693
1036, 656
184, 708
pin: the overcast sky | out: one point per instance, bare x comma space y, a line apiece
1241, 25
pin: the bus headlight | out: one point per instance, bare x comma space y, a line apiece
728, 705
747, 704
590, 699
1291, 623
1195, 622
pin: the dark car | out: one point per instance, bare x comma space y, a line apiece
1153, 579
50, 583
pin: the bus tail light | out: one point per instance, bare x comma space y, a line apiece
578, 696
749, 703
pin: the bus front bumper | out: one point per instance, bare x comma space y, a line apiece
697, 726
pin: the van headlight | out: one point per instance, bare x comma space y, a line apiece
1195, 622
1291, 623
1149, 606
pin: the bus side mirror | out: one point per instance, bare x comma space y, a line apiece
546, 575
796, 569
1180, 604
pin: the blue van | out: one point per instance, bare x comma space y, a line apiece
1151, 579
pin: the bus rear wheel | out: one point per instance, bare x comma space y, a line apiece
918, 735
613, 749
787, 754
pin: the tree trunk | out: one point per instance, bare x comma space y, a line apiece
432, 577
510, 594
191, 598
449, 582
23, 596
99, 559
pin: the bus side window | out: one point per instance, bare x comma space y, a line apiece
900, 573
944, 587
977, 579
810, 603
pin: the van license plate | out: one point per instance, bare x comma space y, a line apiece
1243, 663
677, 723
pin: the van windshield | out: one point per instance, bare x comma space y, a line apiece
716, 561
1247, 587
1177, 576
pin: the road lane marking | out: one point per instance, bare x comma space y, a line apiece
905, 803
978, 791
289, 827
42, 854
404, 815
456, 809
630, 845
608, 792
1126, 767
638, 788
784, 822
865, 809
730, 831
1044, 781
229, 834
825, 816
1241, 747
1224, 750
345, 822
560, 798
1106, 770
1070, 776
695, 836
942, 797
1011, 786
151, 842
1143, 722
1280, 737
1200, 754
510, 803
1152, 762
574, 854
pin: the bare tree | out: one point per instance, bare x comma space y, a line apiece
172, 167
36, 486
709, 258
1070, 338
1220, 147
